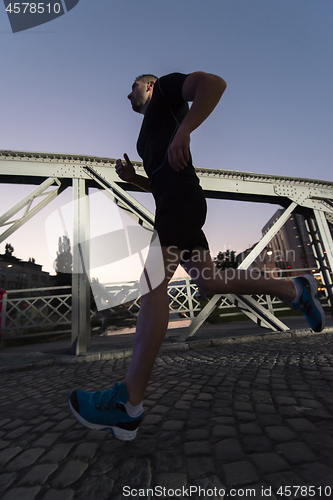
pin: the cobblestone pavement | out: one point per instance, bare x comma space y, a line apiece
252, 418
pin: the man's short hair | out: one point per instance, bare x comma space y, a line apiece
146, 78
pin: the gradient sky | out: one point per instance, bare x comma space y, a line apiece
64, 86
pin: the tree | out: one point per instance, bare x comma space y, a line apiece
64, 262
9, 249
226, 260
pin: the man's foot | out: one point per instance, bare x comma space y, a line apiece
105, 411
308, 303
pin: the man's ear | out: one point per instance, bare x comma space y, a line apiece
150, 85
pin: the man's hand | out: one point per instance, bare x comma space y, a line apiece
178, 152
125, 171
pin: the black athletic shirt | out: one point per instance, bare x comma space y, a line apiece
163, 116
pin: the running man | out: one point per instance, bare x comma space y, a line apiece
164, 146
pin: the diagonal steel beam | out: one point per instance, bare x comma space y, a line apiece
123, 199
26, 202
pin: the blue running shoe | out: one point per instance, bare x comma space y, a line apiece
105, 411
308, 303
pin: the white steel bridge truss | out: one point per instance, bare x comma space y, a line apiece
52, 173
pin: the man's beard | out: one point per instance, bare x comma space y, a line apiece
136, 107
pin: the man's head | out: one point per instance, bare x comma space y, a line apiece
142, 91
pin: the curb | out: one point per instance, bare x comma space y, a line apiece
165, 350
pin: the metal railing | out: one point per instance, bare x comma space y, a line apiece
47, 311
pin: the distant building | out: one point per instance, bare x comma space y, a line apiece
291, 245
289, 250
17, 274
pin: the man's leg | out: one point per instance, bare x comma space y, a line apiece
119, 410
150, 329
301, 291
212, 281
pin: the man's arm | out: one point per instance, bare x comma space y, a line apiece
126, 172
205, 90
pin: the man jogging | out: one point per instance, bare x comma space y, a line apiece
164, 146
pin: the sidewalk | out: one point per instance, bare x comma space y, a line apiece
249, 414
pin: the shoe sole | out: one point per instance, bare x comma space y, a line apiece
117, 432
314, 290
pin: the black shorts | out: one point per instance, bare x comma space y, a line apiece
180, 215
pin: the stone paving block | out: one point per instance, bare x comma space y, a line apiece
168, 461
319, 474
196, 434
4, 421
151, 419
142, 447
205, 397
196, 448
250, 429
104, 464
317, 441
173, 425
43, 427
16, 433
57, 453
223, 420
84, 451
269, 419
161, 409
199, 467
26, 493
64, 425
265, 408
13, 424
134, 472
284, 400
257, 444
46, 440
280, 433
69, 472
95, 488
301, 425
173, 480
240, 406
319, 413
175, 414
262, 399
310, 403
296, 452
6, 479
4, 444
269, 462
24, 459
38, 474
169, 440
239, 473
244, 416
224, 431
52, 494
228, 449
183, 405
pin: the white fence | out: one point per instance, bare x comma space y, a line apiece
48, 311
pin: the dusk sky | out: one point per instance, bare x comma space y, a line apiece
64, 86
